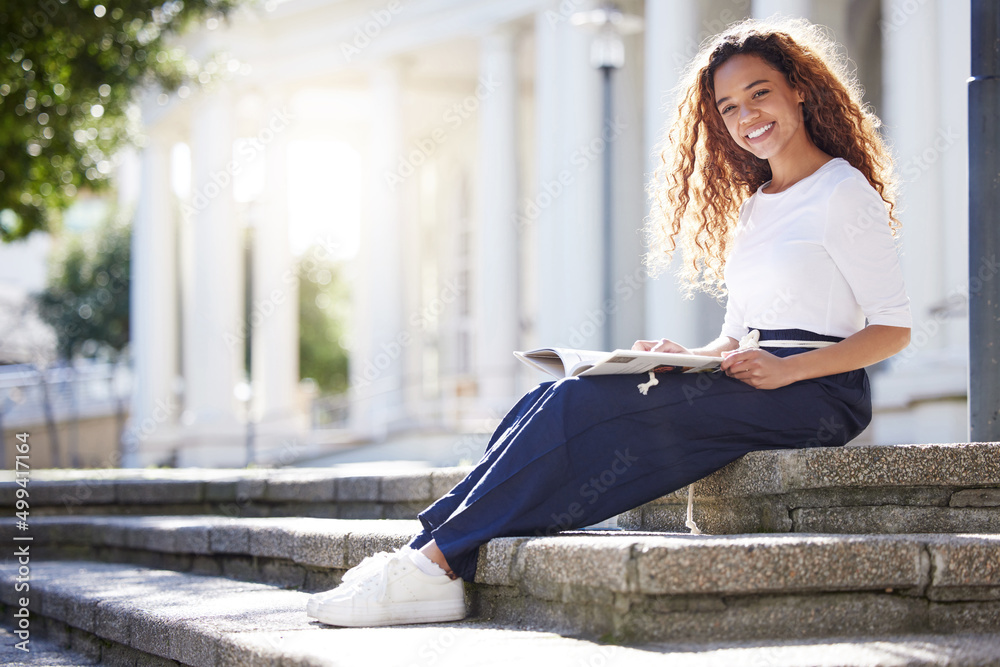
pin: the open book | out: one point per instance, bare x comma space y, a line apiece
564, 362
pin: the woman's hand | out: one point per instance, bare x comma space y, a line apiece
758, 368
662, 345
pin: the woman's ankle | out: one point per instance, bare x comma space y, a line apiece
431, 551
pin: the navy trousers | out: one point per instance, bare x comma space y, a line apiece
581, 450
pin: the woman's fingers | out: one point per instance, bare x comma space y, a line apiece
662, 345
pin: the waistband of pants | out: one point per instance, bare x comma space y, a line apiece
793, 338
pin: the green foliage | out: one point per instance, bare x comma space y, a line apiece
87, 298
69, 74
324, 306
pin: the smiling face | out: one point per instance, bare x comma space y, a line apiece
761, 111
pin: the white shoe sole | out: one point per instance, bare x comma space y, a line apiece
401, 613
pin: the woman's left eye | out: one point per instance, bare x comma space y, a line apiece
760, 92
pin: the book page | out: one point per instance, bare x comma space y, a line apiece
563, 362
629, 362
560, 362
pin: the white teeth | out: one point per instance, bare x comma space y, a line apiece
758, 132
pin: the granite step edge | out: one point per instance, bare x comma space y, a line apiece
602, 562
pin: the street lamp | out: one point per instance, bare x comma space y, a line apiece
607, 53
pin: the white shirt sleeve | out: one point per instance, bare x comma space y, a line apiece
860, 242
733, 325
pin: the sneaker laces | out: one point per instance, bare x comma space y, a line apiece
377, 580
366, 567
357, 575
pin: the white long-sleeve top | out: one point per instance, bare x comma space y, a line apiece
818, 256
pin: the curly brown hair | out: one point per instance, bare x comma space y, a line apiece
704, 176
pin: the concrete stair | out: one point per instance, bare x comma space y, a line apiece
317, 492
899, 547
144, 617
948, 488
951, 488
629, 586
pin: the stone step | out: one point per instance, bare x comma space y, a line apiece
941, 488
133, 615
947, 488
40, 651
237, 492
631, 586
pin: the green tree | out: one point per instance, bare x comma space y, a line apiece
86, 300
324, 304
69, 73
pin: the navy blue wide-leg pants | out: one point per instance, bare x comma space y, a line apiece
580, 450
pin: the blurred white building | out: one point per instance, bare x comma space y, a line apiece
452, 151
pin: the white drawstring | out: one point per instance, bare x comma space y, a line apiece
750, 342
692, 526
644, 387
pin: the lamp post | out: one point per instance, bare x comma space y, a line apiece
607, 53
984, 238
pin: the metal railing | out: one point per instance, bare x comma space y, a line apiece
64, 393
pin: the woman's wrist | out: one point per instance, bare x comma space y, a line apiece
716, 347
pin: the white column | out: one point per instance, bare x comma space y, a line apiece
496, 267
564, 210
763, 9
915, 129
669, 27
928, 136
214, 341
153, 318
954, 34
379, 339
275, 308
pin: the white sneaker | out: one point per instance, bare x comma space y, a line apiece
365, 568
388, 589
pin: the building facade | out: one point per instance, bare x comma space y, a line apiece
457, 149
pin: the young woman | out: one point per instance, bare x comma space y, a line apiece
768, 117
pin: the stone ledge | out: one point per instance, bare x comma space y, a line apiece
902, 489
205, 620
156, 618
235, 492
587, 564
